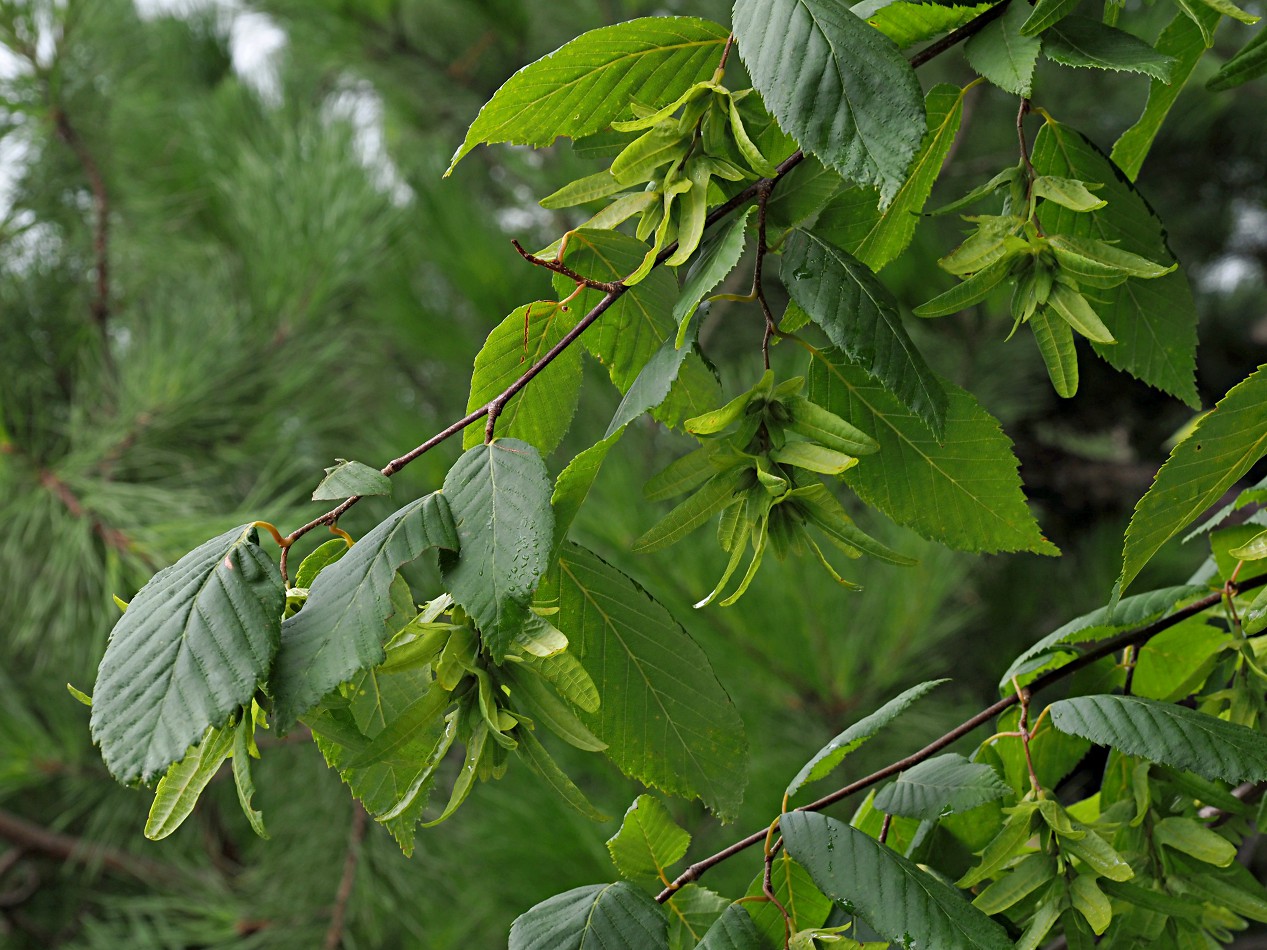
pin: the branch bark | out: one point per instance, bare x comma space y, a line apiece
66, 848
101, 217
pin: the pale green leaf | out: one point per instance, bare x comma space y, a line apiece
899, 900
941, 786
243, 747
499, 495
648, 843
666, 719
907, 23
1082, 41
178, 791
343, 625
793, 888
191, 649
1045, 13
840, 87
859, 315
610, 916
963, 492
718, 256
968, 292
833, 753
1055, 342
584, 85
1185, 41
1221, 448
1153, 321
541, 413
322, 556
1003, 55
351, 478
1193, 838
1067, 192
1166, 733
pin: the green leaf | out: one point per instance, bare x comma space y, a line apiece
1082, 41
322, 556
941, 786
1029, 874
962, 492
610, 916
717, 257
1193, 838
859, 315
351, 478
651, 387
1074, 309
178, 791
666, 719
841, 88
343, 625
1154, 321
584, 85
801, 193
1045, 13
1003, 54
717, 493
734, 930
534, 754
541, 413
1055, 343
244, 749
1249, 63
500, 498
1185, 41
966, 293
831, 755
907, 23
191, 649
901, 902
1090, 902
792, 886
1166, 733
1067, 192
692, 910
854, 222
574, 483
648, 843
1222, 447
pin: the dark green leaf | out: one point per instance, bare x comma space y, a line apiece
610, 916
666, 719
583, 86
500, 498
351, 478
1082, 41
734, 930
840, 87
574, 483
343, 625
860, 316
903, 903
941, 786
1003, 54
963, 492
1045, 13
1166, 733
1249, 63
651, 387
1221, 448
191, 649
542, 412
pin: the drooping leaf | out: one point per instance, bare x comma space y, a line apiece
692, 910
648, 843
838, 86
532, 752
244, 748
500, 498
665, 718
734, 930
1003, 54
1164, 732
860, 316
343, 625
1082, 41
907, 23
1055, 343
351, 478
584, 85
574, 483
941, 786
901, 902
718, 255
179, 789
612, 916
542, 412
1153, 321
1185, 42
829, 756
853, 221
962, 492
1249, 63
190, 650
1221, 448
651, 387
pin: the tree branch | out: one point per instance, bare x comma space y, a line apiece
101, 212
1098, 651
66, 848
338, 913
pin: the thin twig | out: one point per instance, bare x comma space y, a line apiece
31, 837
1093, 653
965, 32
338, 913
557, 266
